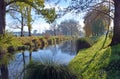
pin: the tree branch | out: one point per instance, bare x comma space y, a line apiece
12, 10
25, 1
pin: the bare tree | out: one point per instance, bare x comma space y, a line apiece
69, 27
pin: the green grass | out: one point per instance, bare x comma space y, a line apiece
93, 63
10, 43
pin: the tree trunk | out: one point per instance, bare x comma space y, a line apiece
116, 30
29, 29
29, 19
2, 17
22, 25
54, 32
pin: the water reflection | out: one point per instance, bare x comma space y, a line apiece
62, 54
69, 47
4, 71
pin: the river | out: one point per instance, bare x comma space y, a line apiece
60, 53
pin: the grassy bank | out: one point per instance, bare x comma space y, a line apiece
10, 43
93, 63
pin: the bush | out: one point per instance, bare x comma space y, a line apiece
82, 43
42, 71
48, 68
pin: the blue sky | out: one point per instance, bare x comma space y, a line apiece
40, 24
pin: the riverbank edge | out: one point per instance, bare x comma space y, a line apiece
13, 44
93, 63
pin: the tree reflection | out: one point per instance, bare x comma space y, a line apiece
30, 56
68, 47
3, 64
4, 71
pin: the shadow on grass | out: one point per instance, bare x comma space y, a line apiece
113, 68
89, 62
103, 65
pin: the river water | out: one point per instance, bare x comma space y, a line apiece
61, 53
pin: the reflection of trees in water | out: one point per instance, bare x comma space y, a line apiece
54, 49
68, 47
17, 66
30, 56
4, 71
4, 57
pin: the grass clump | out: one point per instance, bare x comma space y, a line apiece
93, 63
47, 68
38, 70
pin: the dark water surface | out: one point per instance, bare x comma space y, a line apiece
62, 54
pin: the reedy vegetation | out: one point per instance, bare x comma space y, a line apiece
48, 68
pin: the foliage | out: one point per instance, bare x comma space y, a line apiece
24, 11
34, 3
6, 59
97, 21
69, 27
83, 43
29, 19
49, 14
98, 28
7, 40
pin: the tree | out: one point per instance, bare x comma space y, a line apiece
2, 16
98, 27
116, 29
29, 19
80, 5
96, 21
5, 3
69, 27
25, 9
50, 17
16, 9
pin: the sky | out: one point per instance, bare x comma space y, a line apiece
40, 24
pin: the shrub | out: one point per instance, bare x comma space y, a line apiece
48, 68
37, 70
82, 43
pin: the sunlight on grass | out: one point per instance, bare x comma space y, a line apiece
93, 63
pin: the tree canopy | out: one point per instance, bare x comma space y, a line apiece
69, 27
96, 20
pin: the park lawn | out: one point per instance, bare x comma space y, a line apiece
96, 63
